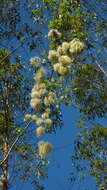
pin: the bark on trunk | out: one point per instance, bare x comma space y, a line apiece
5, 141
5, 165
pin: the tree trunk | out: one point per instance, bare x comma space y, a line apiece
5, 141
5, 164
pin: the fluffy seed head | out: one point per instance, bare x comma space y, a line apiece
48, 110
76, 47
42, 85
40, 74
65, 47
28, 116
65, 60
35, 102
39, 122
46, 101
48, 122
56, 67
51, 97
33, 89
44, 148
53, 55
39, 86
40, 131
45, 115
53, 33
42, 92
59, 51
35, 60
34, 117
35, 94
63, 70
42, 71
52, 94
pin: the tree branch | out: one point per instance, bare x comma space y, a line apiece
11, 52
101, 68
17, 138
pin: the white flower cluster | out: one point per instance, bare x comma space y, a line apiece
35, 61
53, 55
44, 120
41, 122
40, 74
42, 99
38, 90
40, 96
44, 148
40, 131
53, 33
76, 47
63, 58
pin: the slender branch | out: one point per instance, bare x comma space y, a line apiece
17, 138
101, 68
11, 52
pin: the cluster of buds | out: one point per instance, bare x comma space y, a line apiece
63, 58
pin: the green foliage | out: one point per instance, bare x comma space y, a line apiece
89, 88
68, 18
14, 100
11, 83
16, 27
91, 151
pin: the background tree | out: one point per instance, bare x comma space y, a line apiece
17, 35
90, 155
18, 142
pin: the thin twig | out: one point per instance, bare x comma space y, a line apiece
100, 67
